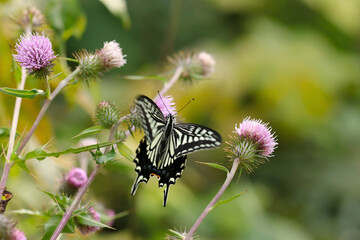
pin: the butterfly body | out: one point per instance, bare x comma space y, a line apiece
162, 152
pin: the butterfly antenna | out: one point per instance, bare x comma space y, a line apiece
186, 104
163, 102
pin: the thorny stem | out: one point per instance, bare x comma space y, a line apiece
74, 204
69, 211
228, 179
45, 106
14, 123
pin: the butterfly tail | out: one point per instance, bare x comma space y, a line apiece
166, 191
138, 180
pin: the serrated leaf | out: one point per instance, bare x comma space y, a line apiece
29, 94
226, 201
118, 8
22, 165
146, 77
85, 219
104, 158
90, 130
217, 166
53, 222
61, 201
40, 154
125, 151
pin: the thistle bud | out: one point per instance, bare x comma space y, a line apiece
31, 17
107, 115
89, 64
8, 230
177, 235
253, 143
194, 65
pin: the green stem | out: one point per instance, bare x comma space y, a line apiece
228, 179
44, 108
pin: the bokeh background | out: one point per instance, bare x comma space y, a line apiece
292, 63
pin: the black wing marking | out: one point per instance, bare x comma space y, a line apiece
169, 175
145, 169
143, 165
152, 119
193, 137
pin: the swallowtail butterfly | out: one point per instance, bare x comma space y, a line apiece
162, 152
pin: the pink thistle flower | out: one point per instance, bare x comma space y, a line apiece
76, 177
34, 53
17, 235
111, 55
166, 105
85, 229
110, 215
253, 143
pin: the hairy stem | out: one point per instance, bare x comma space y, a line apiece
228, 179
14, 124
171, 82
44, 108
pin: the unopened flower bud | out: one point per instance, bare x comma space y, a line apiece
76, 177
89, 64
207, 62
107, 115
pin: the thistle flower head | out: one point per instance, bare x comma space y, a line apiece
166, 105
252, 143
85, 229
107, 115
8, 230
110, 214
35, 54
89, 64
76, 177
207, 62
195, 65
111, 55
31, 17
17, 235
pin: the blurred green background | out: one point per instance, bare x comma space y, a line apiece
292, 63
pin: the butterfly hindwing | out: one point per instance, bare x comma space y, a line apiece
143, 165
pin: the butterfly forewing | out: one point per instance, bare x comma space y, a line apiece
194, 137
152, 119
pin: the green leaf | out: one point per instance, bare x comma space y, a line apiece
53, 222
89, 131
40, 154
85, 219
4, 132
16, 69
214, 165
27, 212
118, 8
162, 78
104, 158
63, 201
226, 201
22, 165
125, 151
30, 94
